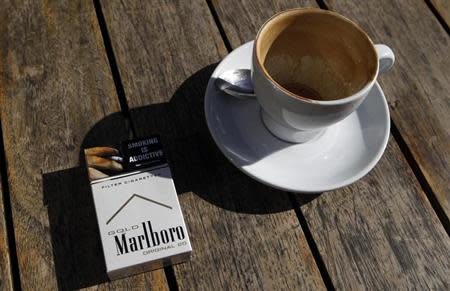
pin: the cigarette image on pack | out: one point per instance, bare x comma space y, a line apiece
139, 217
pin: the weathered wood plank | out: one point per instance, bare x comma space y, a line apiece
348, 235
5, 267
242, 19
244, 235
55, 85
418, 86
381, 232
443, 7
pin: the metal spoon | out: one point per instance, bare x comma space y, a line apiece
237, 83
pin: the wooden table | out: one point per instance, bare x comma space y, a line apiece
76, 72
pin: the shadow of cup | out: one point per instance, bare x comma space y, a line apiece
197, 166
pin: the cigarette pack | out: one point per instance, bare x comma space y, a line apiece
139, 217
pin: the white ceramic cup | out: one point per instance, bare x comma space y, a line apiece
312, 68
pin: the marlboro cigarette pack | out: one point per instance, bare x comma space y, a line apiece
139, 217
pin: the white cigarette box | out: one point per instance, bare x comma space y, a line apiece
139, 217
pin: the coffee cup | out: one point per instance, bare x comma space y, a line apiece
311, 68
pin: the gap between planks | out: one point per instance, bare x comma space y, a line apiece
312, 244
113, 65
168, 270
426, 188
10, 236
438, 15
219, 25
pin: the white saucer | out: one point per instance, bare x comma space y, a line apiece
346, 151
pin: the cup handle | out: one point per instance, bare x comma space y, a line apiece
386, 57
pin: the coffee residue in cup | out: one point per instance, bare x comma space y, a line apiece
302, 90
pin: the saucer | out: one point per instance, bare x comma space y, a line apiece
344, 153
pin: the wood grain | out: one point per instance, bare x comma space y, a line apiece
443, 7
418, 86
55, 86
5, 267
244, 235
242, 19
381, 232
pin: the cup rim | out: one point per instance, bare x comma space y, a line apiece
347, 99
